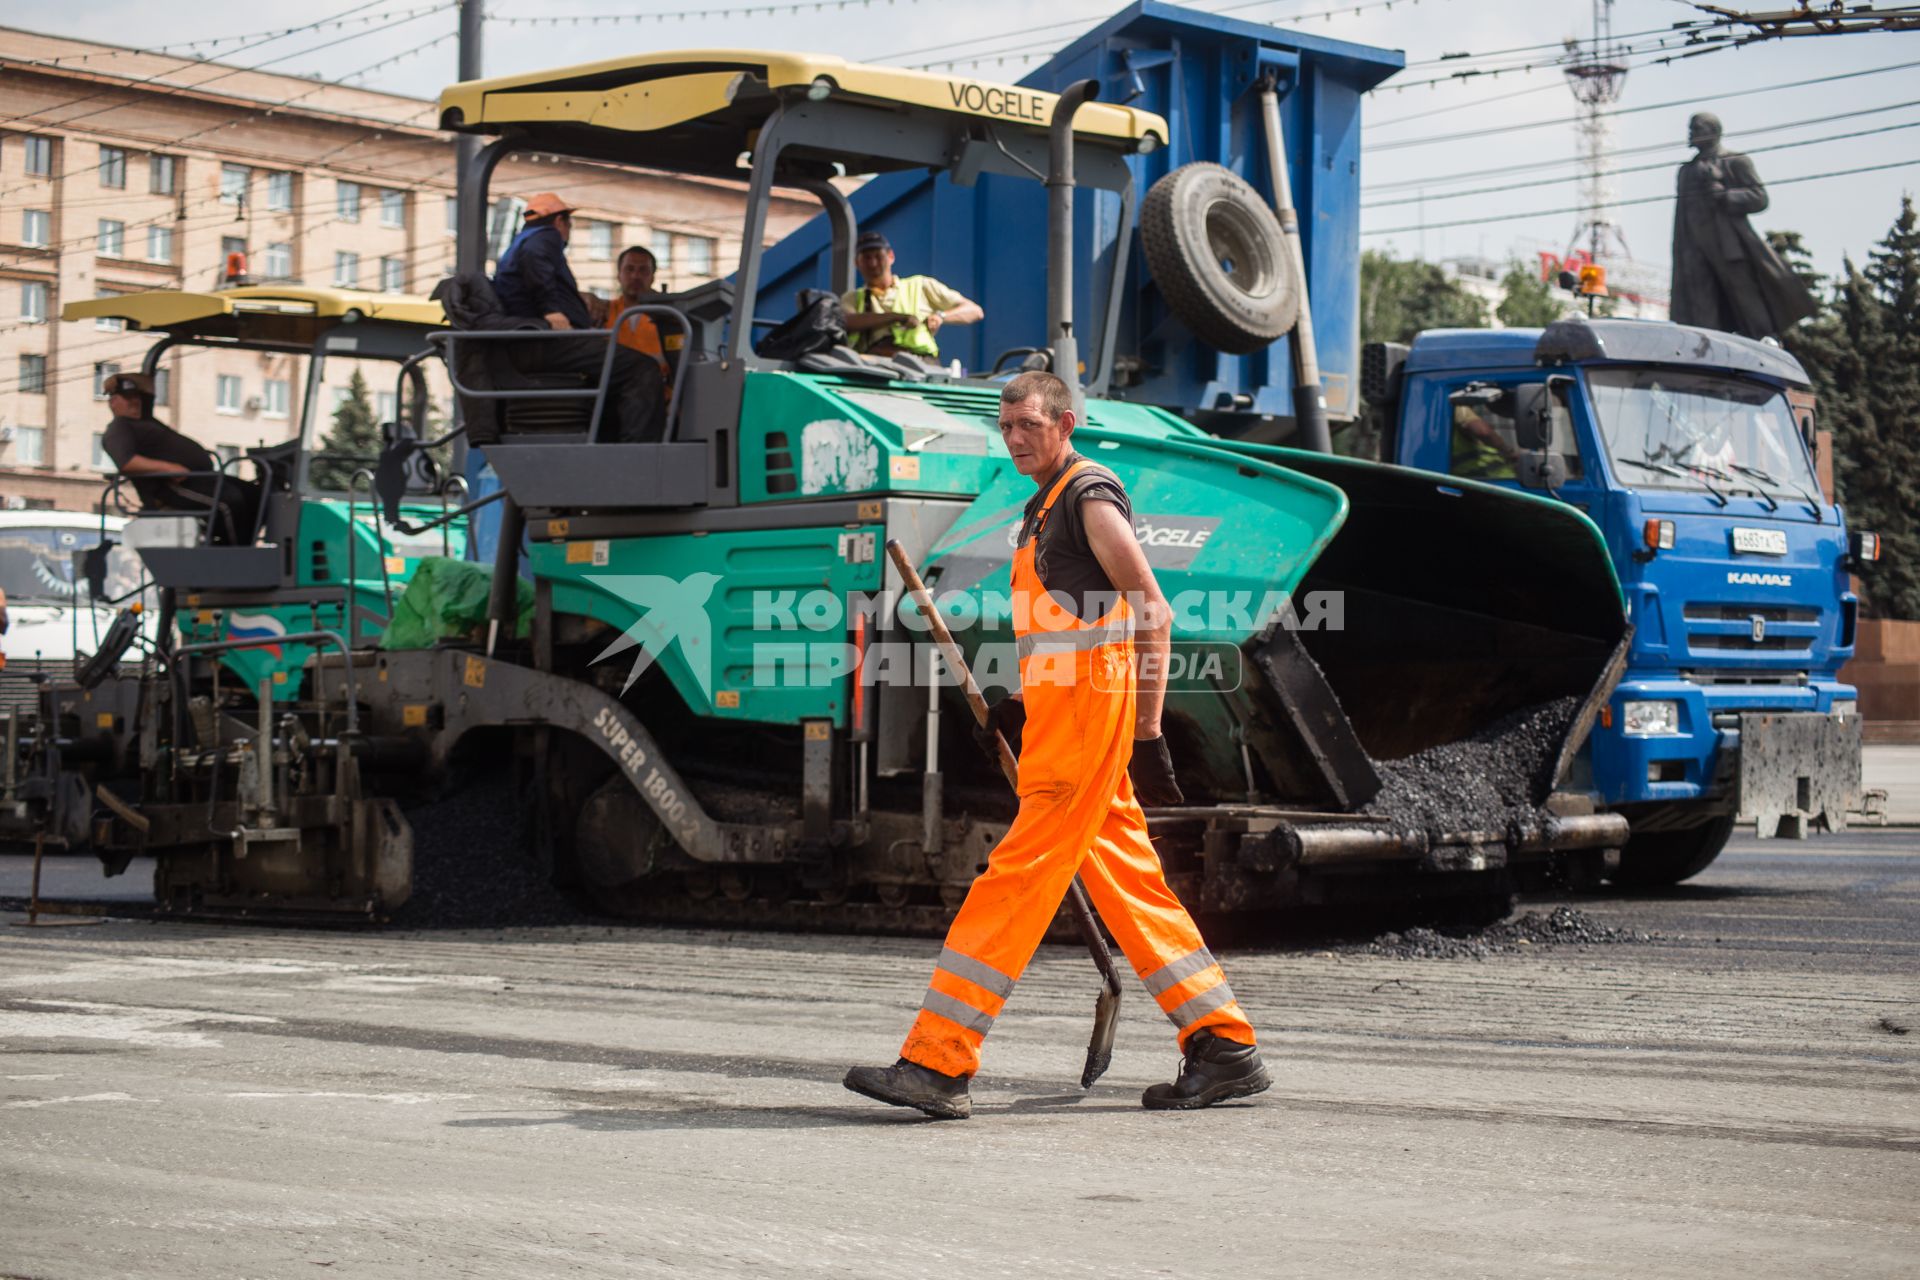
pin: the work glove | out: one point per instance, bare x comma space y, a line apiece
1152, 772
1004, 718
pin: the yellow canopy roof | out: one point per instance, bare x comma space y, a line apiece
644, 93
175, 308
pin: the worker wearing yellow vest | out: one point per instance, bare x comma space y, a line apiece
1091, 754
892, 314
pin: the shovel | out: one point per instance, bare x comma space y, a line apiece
1106, 1010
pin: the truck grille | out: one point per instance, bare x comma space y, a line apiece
1782, 630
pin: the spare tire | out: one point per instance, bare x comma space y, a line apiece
1218, 254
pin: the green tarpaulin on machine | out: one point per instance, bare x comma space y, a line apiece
447, 600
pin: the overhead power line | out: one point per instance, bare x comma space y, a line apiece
1646, 168
1622, 204
1428, 139
264, 108
1535, 166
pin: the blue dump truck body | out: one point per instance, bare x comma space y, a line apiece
1200, 71
1687, 449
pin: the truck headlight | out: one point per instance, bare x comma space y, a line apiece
1845, 709
1650, 719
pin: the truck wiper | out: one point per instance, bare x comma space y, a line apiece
1668, 469
1759, 490
1806, 495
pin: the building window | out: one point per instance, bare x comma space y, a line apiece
36, 227
160, 175
346, 201
112, 240
33, 375
279, 191
110, 324
453, 215
663, 250
227, 452
697, 255
346, 269
233, 183
102, 370
113, 167
39, 157
276, 398
393, 208
30, 446
33, 300
386, 406
163, 386
99, 460
279, 262
393, 275
226, 393
159, 244
600, 241
340, 396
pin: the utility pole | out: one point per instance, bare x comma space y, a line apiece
466, 146
1596, 80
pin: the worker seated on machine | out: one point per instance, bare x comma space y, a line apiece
171, 472
534, 282
637, 268
893, 315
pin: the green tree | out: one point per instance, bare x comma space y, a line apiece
1400, 298
354, 438
1527, 301
1862, 353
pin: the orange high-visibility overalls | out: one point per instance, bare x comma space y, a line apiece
1077, 814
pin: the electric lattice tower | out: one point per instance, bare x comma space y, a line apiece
1597, 76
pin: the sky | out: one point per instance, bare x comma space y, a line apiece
1420, 140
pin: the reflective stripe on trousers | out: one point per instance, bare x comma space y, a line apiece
1077, 814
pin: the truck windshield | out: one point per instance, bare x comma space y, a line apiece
36, 564
1677, 430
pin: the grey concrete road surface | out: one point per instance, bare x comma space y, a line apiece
1738, 1097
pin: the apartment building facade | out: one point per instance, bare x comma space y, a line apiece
123, 171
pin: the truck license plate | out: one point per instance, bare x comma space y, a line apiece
1765, 542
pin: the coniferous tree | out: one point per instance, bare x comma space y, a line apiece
1862, 353
353, 440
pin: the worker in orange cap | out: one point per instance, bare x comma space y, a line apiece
534, 282
1091, 741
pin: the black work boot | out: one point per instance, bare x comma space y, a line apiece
908, 1084
1213, 1070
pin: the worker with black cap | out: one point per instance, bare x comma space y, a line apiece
534, 282
170, 471
892, 314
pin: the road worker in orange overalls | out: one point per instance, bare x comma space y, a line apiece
1082, 593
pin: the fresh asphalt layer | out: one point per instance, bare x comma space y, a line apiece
1738, 1096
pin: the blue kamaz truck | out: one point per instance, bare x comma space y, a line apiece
1690, 449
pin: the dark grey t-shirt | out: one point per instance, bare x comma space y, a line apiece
148, 438
1063, 558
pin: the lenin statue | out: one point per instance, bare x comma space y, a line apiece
1724, 275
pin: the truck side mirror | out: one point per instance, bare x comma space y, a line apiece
1540, 470
1532, 416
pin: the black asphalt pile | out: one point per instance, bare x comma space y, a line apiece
473, 864
1561, 927
1478, 783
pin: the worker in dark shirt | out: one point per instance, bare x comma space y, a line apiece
534, 282
170, 471
1093, 631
